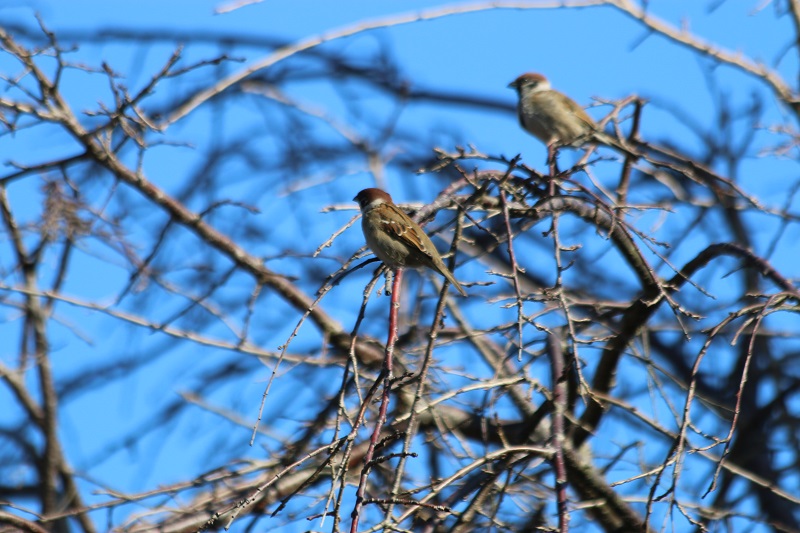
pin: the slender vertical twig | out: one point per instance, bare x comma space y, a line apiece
386, 375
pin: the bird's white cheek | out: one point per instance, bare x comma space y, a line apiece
372, 205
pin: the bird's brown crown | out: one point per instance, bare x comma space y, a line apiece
530, 79
368, 196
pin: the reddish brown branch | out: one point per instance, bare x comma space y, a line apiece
386, 375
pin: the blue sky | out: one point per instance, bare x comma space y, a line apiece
592, 52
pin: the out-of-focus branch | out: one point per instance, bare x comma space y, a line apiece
105, 156
705, 48
642, 310
21, 524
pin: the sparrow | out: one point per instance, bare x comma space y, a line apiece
395, 239
554, 118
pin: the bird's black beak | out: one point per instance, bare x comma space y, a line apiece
512, 85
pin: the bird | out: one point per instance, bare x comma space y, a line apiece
395, 239
556, 119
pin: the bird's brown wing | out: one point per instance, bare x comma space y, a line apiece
403, 230
410, 234
576, 109
597, 133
